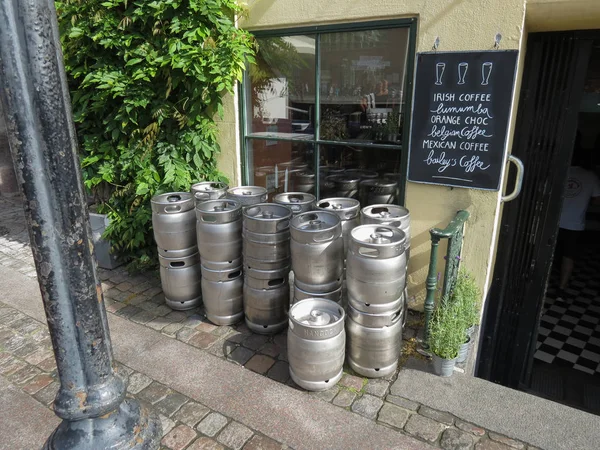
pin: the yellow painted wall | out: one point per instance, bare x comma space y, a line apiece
557, 15
460, 25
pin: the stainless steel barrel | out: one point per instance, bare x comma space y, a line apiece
345, 185
219, 230
376, 191
209, 190
174, 222
347, 210
222, 294
266, 236
181, 281
248, 195
394, 215
363, 174
297, 202
266, 299
374, 342
317, 250
304, 181
376, 268
334, 296
316, 343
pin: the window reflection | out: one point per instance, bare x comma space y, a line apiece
362, 80
282, 88
281, 166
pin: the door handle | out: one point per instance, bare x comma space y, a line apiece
519, 181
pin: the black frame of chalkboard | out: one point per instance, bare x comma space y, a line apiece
511, 115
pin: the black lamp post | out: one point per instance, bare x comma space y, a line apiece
91, 399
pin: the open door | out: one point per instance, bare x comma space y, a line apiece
551, 93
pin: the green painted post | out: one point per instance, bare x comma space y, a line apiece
454, 233
431, 285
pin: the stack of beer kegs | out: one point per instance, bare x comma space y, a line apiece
266, 250
209, 190
297, 202
394, 216
248, 195
317, 250
375, 274
174, 224
219, 234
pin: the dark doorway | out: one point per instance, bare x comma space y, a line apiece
554, 82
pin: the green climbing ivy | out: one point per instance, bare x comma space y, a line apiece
147, 80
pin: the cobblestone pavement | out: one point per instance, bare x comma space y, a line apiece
26, 359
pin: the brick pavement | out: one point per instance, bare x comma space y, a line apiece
26, 360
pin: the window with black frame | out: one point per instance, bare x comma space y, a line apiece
326, 111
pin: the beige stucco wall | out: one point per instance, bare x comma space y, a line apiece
557, 15
460, 25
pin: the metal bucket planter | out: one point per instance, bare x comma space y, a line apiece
443, 367
463, 351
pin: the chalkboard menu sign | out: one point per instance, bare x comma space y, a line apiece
460, 117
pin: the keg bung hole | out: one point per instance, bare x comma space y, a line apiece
367, 304
326, 205
382, 210
376, 369
326, 381
265, 326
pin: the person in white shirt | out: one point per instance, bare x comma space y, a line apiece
582, 186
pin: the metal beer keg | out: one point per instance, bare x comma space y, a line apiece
222, 294
393, 215
374, 342
363, 174
345, 185
219, 230
316, 343
266, 299
181, 281
347, 210
266, 236
248, 195
317, 250
174, 223
376, 191
376, 268
304, 182
334, 296
297, 202
209, 190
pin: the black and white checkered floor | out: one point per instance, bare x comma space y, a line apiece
569, 331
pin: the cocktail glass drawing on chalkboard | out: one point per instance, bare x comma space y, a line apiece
439, 72
486, 71
462, 72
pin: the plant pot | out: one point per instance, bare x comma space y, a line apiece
106, 259
470, 331
443, 367
463, 351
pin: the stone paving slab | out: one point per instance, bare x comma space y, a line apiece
522, 416
25, 424
136, 302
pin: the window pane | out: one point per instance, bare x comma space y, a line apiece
362, 82
281, 92
278, 165
371, 175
